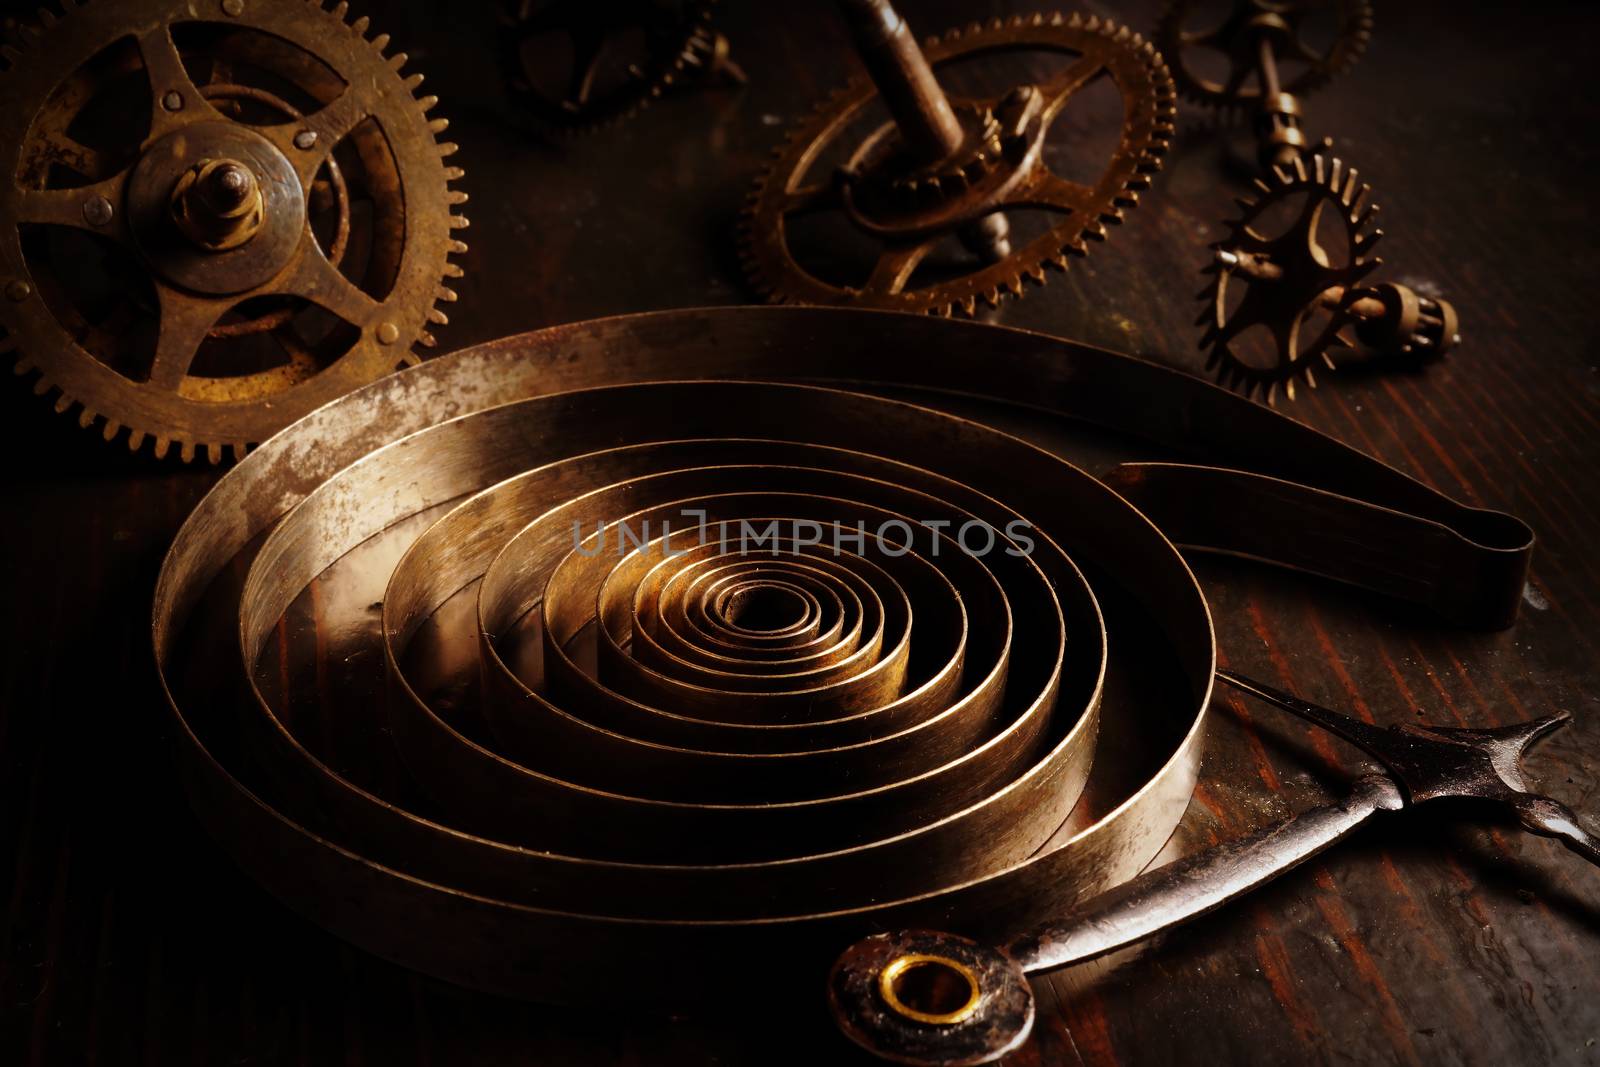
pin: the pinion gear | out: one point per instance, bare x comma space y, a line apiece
1235, 40
1289, 280
604, 80
908, 213
216, 215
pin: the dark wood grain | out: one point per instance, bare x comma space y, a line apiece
128, 938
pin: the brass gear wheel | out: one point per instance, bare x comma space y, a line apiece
1017, 180
1290, 279
1235, 40
676, 41
216, 215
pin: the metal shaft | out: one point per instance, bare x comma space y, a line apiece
905, 81
1260, 268
1267, 66
928, 125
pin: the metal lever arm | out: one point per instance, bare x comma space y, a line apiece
1551, 818
1171, 895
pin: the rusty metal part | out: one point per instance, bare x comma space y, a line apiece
956, 166
218, 204
1306, 291
575, 66
1256, 37
1254, 25
894, 735
221, 214
1421, 765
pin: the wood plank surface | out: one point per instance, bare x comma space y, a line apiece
127, 937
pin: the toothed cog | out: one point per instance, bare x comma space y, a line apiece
221, 215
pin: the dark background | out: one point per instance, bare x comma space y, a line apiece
126, 936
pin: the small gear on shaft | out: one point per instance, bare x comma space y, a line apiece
217, 215
574, 66
1262, 60
991, 166
1292, 265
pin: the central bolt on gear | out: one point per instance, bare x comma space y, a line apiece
908, 184
1253, 40
576, 65
1304, 290
216, 215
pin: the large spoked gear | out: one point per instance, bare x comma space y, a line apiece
1301, 289
1237, 40
575, 66
216, 215
907, 210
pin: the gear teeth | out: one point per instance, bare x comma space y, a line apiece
1150, 124
438, 126
162, 443
437, 317
446, 294
459, 222
427, 340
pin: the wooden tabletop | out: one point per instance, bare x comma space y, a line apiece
128, 937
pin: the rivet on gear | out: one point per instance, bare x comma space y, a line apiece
97, 211
1308, 296
1264, 43
272, 296
952, 166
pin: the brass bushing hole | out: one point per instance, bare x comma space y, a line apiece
929, 989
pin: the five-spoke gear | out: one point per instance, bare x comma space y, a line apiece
216, 216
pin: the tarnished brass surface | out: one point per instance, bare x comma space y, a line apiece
589, 807
1303, 287
574, 65
147, 306
996, 160
1236, 39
